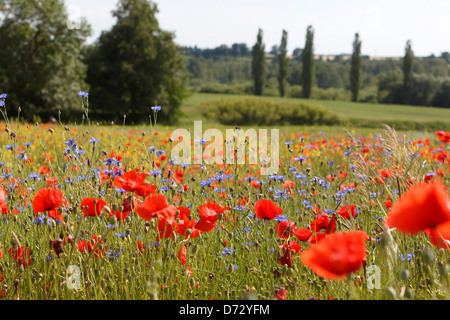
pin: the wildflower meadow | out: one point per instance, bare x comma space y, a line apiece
107, 212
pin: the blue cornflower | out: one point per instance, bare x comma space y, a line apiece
227, 252
301, 158
156, 108
3, 96
22, 156
83, 94
94, 140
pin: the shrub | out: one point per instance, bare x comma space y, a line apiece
263, 111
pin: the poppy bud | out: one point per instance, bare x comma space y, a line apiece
391, 293
428, 256
113, 220
106, 210
174, 236
404, 275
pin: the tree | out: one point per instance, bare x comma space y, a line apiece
41, 69
283, 64
308, 63
136, 65
258, 64
355, 70
408, 65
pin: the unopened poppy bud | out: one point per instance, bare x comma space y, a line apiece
404, 275
391, 293
220, 216
188, 232
194, 249
174, 236
50, 130
113, 220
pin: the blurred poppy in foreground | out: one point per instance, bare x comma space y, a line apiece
267, 210
423, 206
440, 235
337, 255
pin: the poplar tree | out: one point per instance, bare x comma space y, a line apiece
258, 64
283, 64
408, 65
308, 63
355, 70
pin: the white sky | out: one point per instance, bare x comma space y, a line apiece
384, 26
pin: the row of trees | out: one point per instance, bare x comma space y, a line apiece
415, 90
45, 62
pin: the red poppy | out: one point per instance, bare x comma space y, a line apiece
443, 136
22, 255
155, 205
286, 259
302, 234
422, 206
87, 246
337, 255
92, 206
346, 210
1, 253
129, 181
144, 189
3, 206
209, 214
182, 255
292, 246
49, 200
267, 210
321, 222
285, 229
440, 235
316, 237
281, 294
184, 223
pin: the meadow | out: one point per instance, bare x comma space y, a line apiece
103, 212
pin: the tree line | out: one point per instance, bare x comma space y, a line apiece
353, 77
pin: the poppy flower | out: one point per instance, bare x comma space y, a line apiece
281, 294
337, 255
302, 234
87, 246
129, 181
285, 229
182, 255
49, 200
286, 259
22, 255
183, 221
3, 206
267, 210
346, 210
92, 206
443, 136
440, 235
424, 205
155, 205
209, 214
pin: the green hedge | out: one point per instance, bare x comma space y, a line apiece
263, 111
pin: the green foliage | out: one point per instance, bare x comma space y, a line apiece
263, 111
258, 64
442, 96
355, 71
308, 63
134, 66
40, 64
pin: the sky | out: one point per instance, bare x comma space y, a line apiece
384, 26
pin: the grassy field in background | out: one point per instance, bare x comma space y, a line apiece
361, 114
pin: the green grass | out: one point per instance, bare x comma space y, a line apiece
359, 114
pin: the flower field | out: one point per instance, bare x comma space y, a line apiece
98, 212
